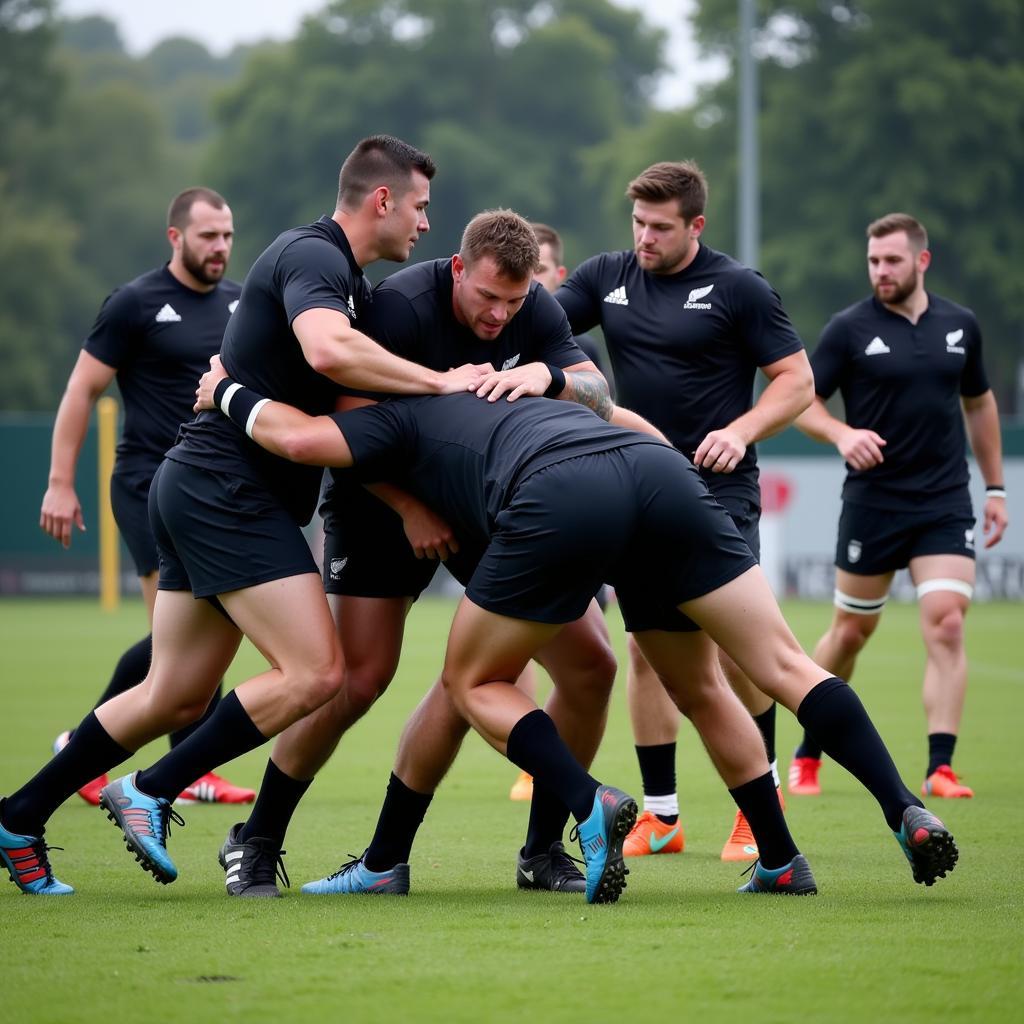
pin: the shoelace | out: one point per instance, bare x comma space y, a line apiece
349, 865
268, 863
40, 849
749, 870
562, 864
167, 814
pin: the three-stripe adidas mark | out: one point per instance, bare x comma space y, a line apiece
617, 296
233, 867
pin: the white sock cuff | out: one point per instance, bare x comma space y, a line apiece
666, 805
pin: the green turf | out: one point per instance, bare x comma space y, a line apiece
466, 946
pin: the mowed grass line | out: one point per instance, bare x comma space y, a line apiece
466, 946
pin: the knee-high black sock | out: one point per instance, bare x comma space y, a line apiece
765, 722
535, 746
759, 802
548, 816
130, 670
228, 733
808, 747
91, 751
834, 714
400, 818
183, 734
940, 750
658, 773
271, 814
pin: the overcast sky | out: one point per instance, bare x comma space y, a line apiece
221, 24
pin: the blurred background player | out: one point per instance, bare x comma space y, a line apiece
687, 329
156, 335
909, 367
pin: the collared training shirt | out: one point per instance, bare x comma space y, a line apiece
905, 381
684, 347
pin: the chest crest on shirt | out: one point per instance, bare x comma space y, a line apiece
953, 339
876, 347
696, 294
167, 315
510, 362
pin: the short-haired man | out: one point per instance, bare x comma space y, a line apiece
560, 502
908, 365
227, 518
382, 548
154, 334
687, 329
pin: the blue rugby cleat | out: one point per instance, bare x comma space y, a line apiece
792, 879
355, 877
145, 821
601, 837
927, 844
25, 857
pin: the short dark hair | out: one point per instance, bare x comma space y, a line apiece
683, 181
380, 160
504, 236
179, 213
547, 235
893, 222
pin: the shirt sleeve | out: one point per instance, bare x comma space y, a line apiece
114, 336
550, 326
313, 274
973, 381
377, 435
829, 359
579, 296
763, 324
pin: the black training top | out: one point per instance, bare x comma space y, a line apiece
412, 316
905, 381
684, 347
464, 457
310, 267
159, 335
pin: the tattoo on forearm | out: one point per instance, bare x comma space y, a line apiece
591, 390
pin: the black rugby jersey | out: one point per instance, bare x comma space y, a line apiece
310, 267
412, 316
684, 347
464, 457
905, 381
158, 334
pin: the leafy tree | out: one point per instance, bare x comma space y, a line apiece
868, 107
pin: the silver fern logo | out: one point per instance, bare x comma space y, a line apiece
693, 302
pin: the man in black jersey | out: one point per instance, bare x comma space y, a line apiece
382, 547
687, 329
227, 518
154, 334
908, 365
560, 501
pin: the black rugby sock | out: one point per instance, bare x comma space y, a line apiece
90, 752
940, 750
658, 773
272, 813
228, 733
765, 722
548, 817
759, 803
808, 747
183, 734
130, 670
400, 817
535, 746
834, 713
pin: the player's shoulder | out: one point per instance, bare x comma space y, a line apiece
858, 313
229, 289
416, 281
607, 265
944, 307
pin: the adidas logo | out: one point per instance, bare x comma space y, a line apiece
952, 341
510, 362
232, 306
693, 300
167, 315
351, 308
617, 296
876, 347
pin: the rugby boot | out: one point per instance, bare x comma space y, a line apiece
355, 877
943, 782
927, 844
601, 837
652, 835
145, 822
253, 867
26, 859
792, 879
554, 871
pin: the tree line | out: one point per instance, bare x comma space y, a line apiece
545, 106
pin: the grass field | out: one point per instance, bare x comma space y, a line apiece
466, 945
